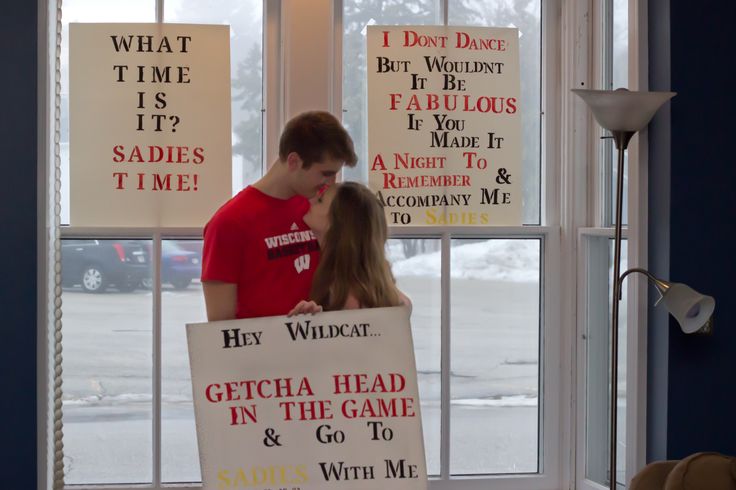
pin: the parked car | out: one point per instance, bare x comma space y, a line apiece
179, 266
98, 264
192, 245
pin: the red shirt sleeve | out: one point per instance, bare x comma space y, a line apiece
224, 250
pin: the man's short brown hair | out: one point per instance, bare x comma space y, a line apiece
316, 135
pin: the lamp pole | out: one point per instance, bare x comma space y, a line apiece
623, 113
621, 140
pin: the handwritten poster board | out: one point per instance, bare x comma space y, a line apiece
444, 124
311, 402
150, 137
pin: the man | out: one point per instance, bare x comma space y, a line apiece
259, 256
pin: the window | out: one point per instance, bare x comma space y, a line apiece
502, 315
596, 284
478, 317
127, 409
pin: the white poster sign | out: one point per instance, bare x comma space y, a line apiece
310, 402
444, 124
150, 138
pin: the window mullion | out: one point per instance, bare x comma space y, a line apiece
273, 83
468, 231
128, 232
159, 11
604, 217
156, 361
445, 364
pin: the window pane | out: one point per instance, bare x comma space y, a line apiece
416, 266
356, 16
107, 361
182, 302
89, 11
598, 384
526, 15
620, 79
619, 69
621, 385
620, 43
494, 375
246, 61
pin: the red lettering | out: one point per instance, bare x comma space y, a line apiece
159, 154
120, 176
136, 153
395, 98
182, 180
198, 155
378, 161
161, 183
462, 40
231, 390
208, 393
182, 154
119, 155
415, 38
413, 104
303, 386
155, 154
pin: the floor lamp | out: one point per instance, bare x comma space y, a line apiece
623, 113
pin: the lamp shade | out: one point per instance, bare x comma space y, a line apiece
691, 309
621, 109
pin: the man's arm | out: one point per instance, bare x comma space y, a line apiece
220, 299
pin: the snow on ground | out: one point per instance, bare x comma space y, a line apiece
490, 260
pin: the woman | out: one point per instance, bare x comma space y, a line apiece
353, 271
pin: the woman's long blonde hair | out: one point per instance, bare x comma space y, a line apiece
353, 259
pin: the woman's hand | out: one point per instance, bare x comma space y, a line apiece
305, 307
405, 301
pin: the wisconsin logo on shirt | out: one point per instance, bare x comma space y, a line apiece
294, 227
290, 244
301, 263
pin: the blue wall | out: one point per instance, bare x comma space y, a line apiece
18, 184
699, 372
702, 379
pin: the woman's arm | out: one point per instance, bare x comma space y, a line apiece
405, 301
351, 303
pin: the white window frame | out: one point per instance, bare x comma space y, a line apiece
273, 117
635, 234
568, 196
554, 452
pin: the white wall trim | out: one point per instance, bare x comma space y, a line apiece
273, 106
44, 410
307, 77
636, 369
576, 153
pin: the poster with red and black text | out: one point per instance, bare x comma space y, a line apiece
149, 124
444, 124
312, 402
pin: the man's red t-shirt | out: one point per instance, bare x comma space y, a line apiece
261, 244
